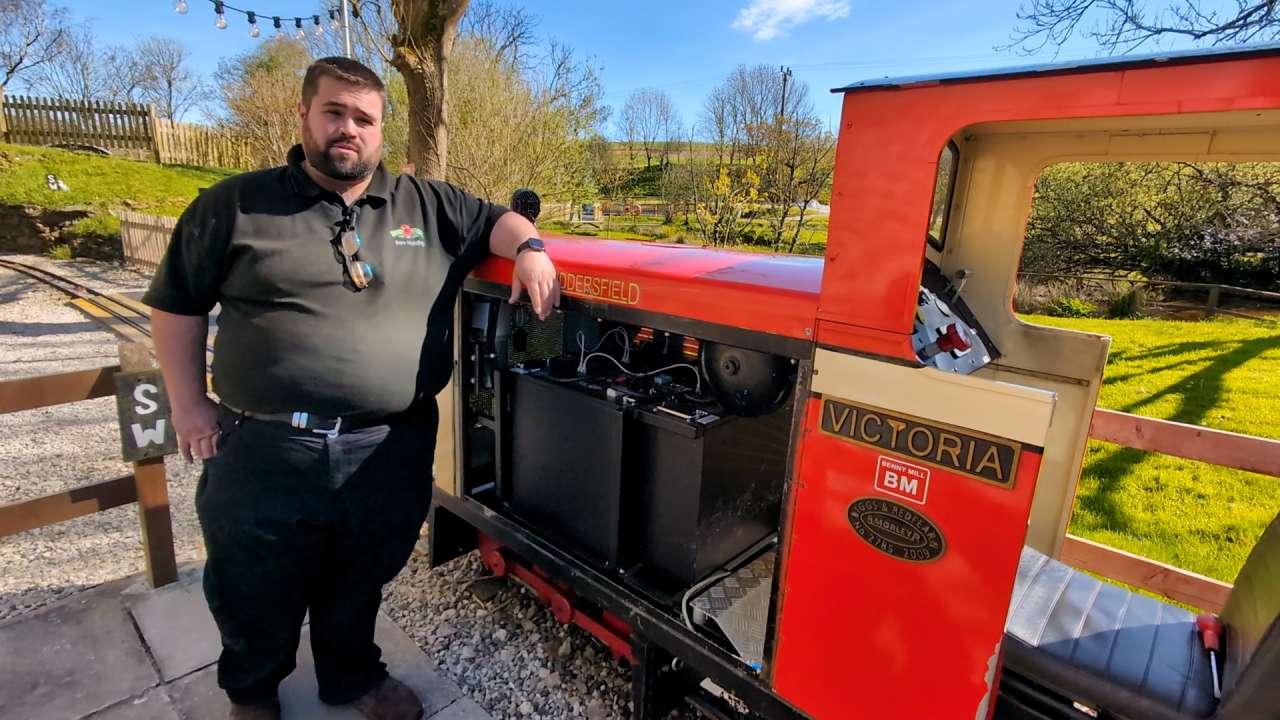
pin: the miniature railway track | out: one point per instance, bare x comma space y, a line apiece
119, 317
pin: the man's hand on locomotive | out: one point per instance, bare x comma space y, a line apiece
535, 272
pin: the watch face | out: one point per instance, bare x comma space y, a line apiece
535, 244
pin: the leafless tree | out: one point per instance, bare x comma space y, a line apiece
509, 30
79, 71
370, 48
796, 157
767, 149
31, 35
649, 117
419, 37
512, 127
1120, 26
168, 80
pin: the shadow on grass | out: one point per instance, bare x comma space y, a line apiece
1199, 392
1168, 350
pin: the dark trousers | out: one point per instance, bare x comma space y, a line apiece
296, 522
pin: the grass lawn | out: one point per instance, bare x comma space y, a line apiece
812, 241
1222, 374
103, 183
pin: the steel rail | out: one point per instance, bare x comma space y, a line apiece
80, 291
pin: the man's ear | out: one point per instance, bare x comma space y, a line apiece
302, 113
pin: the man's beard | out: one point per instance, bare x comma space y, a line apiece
339, 166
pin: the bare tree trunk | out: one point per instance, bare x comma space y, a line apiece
420, 51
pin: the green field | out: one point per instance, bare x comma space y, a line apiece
756, 237
1223, 374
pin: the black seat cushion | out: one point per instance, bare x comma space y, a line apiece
1105, 646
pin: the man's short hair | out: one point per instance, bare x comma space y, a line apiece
341, 69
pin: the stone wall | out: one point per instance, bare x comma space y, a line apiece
35, 230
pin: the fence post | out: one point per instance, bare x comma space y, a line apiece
4, 126
1215, 294
155, 131
152, 489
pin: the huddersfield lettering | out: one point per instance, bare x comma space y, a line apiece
616, 291
982, 457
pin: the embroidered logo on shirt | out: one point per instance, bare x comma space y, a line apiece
409, 235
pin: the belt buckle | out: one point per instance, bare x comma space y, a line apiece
331, 433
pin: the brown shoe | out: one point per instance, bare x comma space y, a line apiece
391, 700
270, 711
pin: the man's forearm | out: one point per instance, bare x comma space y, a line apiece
510, 230
180, 341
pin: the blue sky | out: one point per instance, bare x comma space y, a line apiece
684, 47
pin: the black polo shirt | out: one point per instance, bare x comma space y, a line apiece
292, 332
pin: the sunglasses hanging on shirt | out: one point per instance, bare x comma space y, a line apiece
348, 244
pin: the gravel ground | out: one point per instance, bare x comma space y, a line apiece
52, 449
507, 653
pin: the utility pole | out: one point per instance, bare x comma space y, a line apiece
346, 29
786, 77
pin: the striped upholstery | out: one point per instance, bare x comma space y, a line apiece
1105, 646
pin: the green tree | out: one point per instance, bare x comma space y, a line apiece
1201, 222
521, 125
721, 200
260, 90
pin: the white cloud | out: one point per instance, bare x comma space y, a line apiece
767, 19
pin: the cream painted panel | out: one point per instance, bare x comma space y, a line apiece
1184, 144
999, 167
446, 477
1005, 410
1216, 122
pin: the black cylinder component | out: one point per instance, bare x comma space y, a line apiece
527, 203
747, 382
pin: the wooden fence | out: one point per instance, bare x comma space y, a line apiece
147, 486
129, 128
145, 238
1193, 442
185, 144
56, 121
1214, 292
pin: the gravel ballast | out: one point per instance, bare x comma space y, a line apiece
506, 652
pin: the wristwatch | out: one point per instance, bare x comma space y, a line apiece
533, 243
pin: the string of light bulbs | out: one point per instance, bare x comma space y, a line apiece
220, 8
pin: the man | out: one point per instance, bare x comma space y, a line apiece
337, 283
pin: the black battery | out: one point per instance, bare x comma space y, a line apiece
665, 496
566, 464
706, 489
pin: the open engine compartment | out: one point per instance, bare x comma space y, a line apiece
657, 456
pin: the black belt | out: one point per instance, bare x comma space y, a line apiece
322, 424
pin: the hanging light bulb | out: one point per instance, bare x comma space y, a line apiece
279, 29
253, 24
334, 24
319, 31
180, 7
300, 34
221, 22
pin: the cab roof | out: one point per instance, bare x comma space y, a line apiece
1066, 67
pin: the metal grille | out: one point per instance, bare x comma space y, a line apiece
481, 403
534, 339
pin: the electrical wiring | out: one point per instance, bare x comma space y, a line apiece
582, 346
697, 388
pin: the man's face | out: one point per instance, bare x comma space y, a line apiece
342, 129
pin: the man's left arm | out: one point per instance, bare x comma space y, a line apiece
534, 271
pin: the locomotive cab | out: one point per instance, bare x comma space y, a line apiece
811, 480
